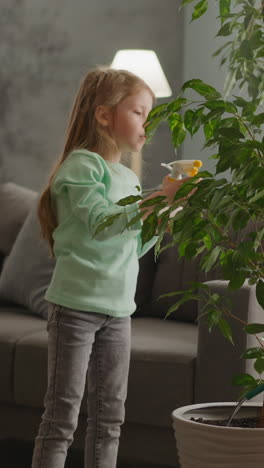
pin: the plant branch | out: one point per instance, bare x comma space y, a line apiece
230, 314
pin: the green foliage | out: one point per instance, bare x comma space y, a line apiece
129, 200
221, 221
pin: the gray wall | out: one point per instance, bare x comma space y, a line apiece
199, 45
46, 48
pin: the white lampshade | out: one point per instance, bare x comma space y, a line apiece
146, 65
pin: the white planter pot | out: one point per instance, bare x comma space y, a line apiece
207, 446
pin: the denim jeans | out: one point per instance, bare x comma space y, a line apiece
82, 347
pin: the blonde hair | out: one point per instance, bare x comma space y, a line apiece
101, 86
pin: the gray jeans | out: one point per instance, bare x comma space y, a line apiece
84, 347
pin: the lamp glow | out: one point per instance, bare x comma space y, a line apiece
146, 65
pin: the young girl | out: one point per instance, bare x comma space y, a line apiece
91, 295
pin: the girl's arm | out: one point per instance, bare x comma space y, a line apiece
81, 190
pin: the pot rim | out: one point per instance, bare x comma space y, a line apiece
179, 414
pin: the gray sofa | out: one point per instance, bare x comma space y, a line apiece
174, 362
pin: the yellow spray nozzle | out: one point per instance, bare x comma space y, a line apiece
193, 172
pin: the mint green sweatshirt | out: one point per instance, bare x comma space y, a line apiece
96, 273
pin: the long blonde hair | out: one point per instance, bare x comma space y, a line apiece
101, 86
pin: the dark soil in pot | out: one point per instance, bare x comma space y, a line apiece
237, 422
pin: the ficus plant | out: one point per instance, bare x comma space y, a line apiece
222, 221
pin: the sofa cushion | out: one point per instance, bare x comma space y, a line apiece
161, 371
2, 257
173, 273
15, 202
146, 275
15, 324
27, 271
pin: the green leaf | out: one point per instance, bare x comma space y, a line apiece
209, 128
245, 49
174, 120
184, 190
220, 103
207, 241
240, 219
156, 116
223, 163
187, 297
200, 9
171, 294
178, 129
153, 201
157, 110
197, 120
254, 328
259, 364
188, 120
211, 258
249, 109
176, 104
224, 59
229, 82
185, 2
213, 317
243, 379
178, 135
152, 127
190, 250
149, 228
257, 196
201, 88
237, 280
134, 220
247, 19
260, 292
224, 8
240, 102
256, 40
224, 30
254, 145
203, 175
258, 119
252, 353
218, 51
226, 330
129, 200
108, 222
231, 133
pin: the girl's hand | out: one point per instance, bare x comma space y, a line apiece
169, 187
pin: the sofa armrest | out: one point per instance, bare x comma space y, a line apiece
218, 361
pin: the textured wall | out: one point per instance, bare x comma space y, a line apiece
46, 48
199, 45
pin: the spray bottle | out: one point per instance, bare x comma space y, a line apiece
189, 167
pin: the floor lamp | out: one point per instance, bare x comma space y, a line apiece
145, 64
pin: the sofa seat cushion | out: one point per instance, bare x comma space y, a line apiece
15, 324
161, 372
